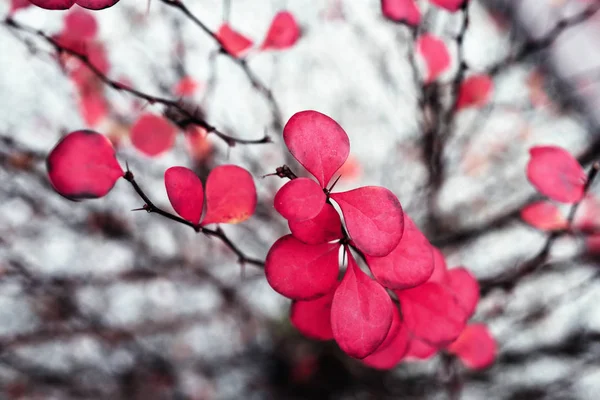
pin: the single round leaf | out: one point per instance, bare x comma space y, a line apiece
465, 288
440, 269
325, 227
432, 313
232, 41
318, 143
555, 173
450, 5
83, 165
53, 4
230, 195
394, 347
300, 271
283, 32
361, 313
475, 347
185, 192
419, 349
405, 11
475, 91
544, 216
374, 218
300, 199
409, 264
96, 4
435, 54
313, 317
152, 134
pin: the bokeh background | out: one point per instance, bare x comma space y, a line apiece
100, 302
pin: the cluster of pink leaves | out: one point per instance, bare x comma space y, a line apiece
83, 166
66, 4
358, 311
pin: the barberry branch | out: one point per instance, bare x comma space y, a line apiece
150, 207
191, 117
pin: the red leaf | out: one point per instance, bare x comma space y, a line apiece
300, 199
475, 347
83, 165
475, 91
409, 264
325, 227
80, 24
419, 349
435, 54
555, 173
393, 348
53, 4
233, 42
96, 4
450, 5
361, 313
465, 288
313, 317
230, 195
186, 86
405, 11
152, 134
317, 142
300, 271
185, 192
440, 269
283, 32
544, 216
432, 313
374, 218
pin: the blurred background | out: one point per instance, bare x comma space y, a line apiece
100, 302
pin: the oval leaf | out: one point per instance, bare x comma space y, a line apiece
185, 192
374, 218
435, 54
405, 11
361, 313
53, 4
318, 143
96, 4
432, 313
83, 165
409, 264
475, 91
152, 134
232, 41
300, 271
475, 347
283, 32
313, 317
393, 348
544, 216
465, 288
325, 227
450, 5
299, 199
230, 195
555, 173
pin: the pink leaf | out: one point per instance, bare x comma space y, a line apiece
96, 4
475, 347
317, 142
405, 11
186, 86
450, 5
555, 173
83, 165
300, 271
185, 192
93, 107
465, 288
152, 135
80, 24
435, 54
394, 347
432, 313
544, 216
440, 269
300, 199
283, 32
53, 4
361, 313
230, 195
325, 227
374, 218
313, 317
409, 264
232, 41
475, 91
